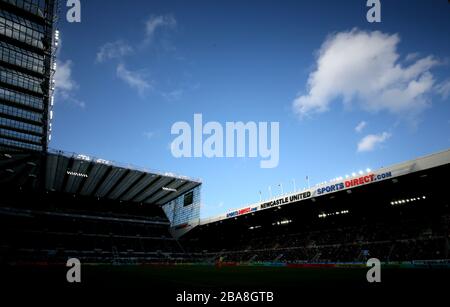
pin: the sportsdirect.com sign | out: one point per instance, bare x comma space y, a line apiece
354, 182
241, 211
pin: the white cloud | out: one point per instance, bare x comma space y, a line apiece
364, 67
158, 22
173, 95
371, 141
411, 56
444, 89
65, 86
76, 102
113, 50
118, 49
133, 78
63, 77
149, 134
360, 126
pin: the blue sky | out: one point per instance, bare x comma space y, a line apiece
128, 72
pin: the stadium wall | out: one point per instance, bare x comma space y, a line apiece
183, 215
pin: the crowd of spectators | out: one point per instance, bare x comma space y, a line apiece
407, 240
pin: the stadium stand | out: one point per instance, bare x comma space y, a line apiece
405, 218
49, 220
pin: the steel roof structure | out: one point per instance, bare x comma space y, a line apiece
91, 177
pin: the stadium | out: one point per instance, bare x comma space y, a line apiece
122, 221
136, 227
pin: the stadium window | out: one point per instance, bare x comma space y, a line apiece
188, 199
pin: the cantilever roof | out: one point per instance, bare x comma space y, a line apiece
408, 167
80, 174
88, 176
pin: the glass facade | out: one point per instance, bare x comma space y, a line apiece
27, 49
185, 208
34, 7
21, 29
27, 60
